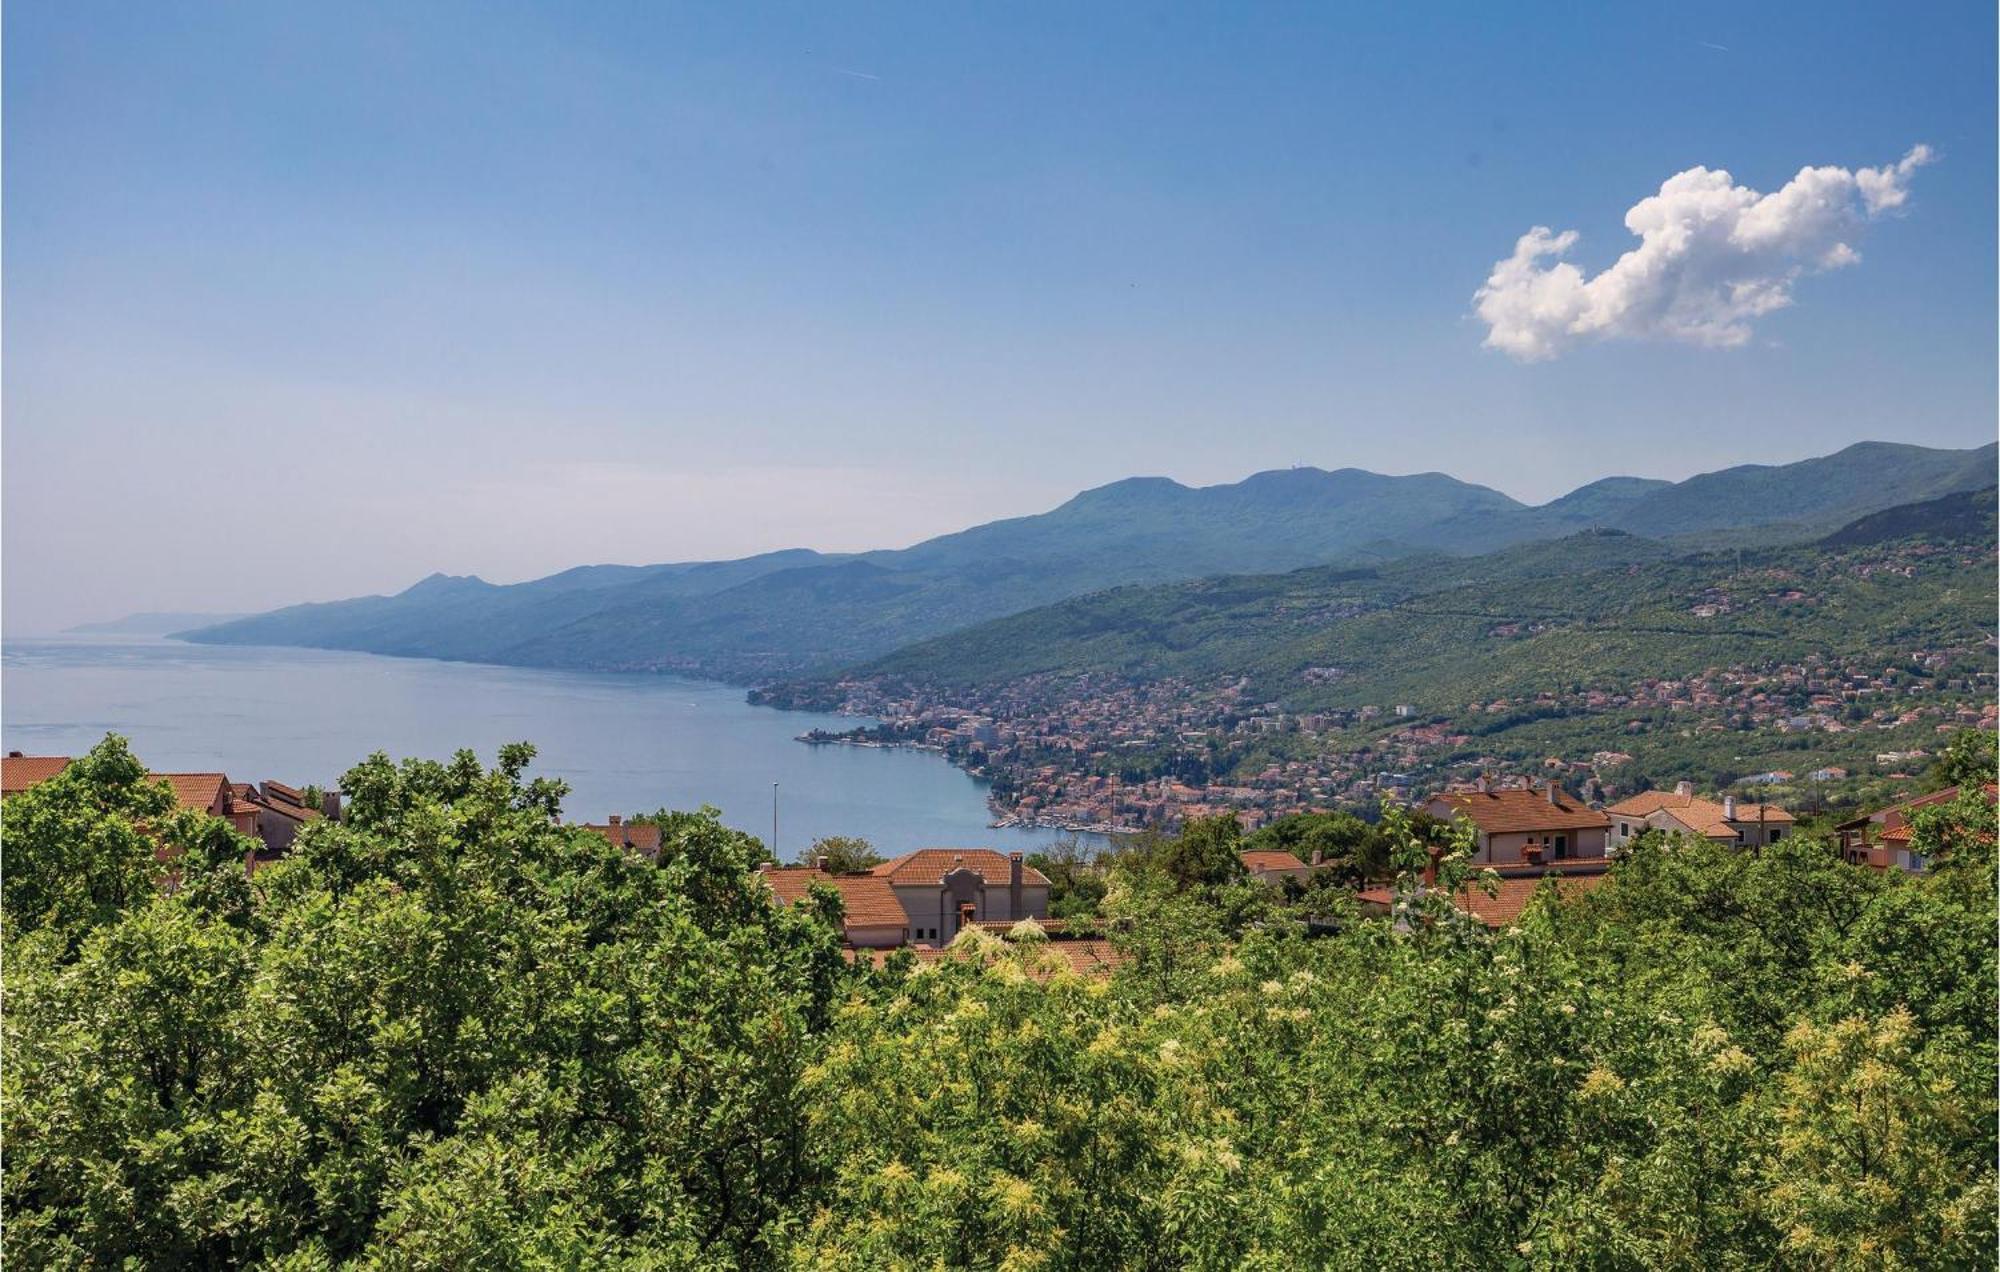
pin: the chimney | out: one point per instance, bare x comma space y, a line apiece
1481, 785
1684, 788
1318, 857
1434, 855
616, 819
1014, 886
819, 861
1729, 808
1555, 794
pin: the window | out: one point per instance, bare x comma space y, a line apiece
1624, 830
1776, 835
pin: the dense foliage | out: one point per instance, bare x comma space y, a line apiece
447, 1033
452, 1033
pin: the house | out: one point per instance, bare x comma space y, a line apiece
1884, 838
1274, 866
274, 813
1516, 888
639, 837
944, 889
874, 918
1681, 811
1525, 824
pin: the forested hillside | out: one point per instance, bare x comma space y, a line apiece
1601, 607
451, 1033
770, 616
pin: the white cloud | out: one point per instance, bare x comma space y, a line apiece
1713, 256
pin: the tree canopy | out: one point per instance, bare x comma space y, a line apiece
450, 1032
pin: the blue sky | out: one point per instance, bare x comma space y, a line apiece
309, 300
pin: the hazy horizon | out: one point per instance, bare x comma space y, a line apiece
305, 304
391, 588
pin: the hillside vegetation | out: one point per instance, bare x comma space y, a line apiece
770, 616
1601, 607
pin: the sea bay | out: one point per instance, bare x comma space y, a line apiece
625, 743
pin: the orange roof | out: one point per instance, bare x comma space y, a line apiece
194, 790
643, 838
1261, 859
1516, 810
19, 772
1705, 817
1505, 905
869, 899
928, 866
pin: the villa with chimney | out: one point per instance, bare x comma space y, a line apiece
1681, 811
925, 897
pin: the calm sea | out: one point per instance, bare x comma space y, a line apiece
624, 743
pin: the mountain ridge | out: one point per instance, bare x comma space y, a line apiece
793, 611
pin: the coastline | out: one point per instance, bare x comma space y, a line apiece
1002, 818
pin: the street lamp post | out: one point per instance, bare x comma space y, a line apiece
774, 821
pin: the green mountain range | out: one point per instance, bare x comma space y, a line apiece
787, 613
1602, 606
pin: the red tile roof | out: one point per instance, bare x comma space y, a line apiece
870, 901
1516, 810
199, 791
642, 838
1705, 817
1259, 859
1505, 905
928, 867
19, 772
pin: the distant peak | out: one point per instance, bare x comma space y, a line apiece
445, 583
1130, 490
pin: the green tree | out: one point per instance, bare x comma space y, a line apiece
447, 1032
1077, 879
1969, 759
843, 854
